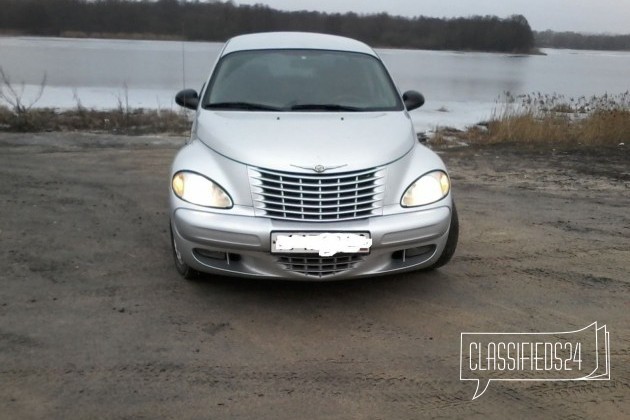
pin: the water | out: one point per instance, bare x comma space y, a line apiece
461, 88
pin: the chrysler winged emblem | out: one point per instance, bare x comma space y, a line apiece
319, 168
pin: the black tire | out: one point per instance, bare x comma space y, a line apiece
451, 242
182, 268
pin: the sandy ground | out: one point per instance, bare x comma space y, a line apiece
96, 323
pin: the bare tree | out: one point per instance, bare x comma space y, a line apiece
14, 96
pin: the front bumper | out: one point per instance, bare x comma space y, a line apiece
238, 245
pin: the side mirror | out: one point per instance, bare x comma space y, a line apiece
188, 98
413, 99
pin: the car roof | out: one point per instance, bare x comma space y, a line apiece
295, 40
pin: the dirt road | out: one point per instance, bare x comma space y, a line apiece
95, 322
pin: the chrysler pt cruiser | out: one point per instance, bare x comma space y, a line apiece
303, 164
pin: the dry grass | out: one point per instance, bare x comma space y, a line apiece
119, 121
537, 118
16, 114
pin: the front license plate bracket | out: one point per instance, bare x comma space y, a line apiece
325, 244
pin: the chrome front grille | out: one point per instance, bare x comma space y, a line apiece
317, 197
319, 266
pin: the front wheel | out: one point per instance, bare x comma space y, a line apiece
182, 268
451, 241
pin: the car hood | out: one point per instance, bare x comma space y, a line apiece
287, 141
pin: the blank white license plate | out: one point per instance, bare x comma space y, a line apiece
325, 244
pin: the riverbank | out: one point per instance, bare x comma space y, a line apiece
598, 121
141, 36
117, 121
549, 119
219, 21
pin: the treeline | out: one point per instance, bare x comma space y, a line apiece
577, 41
218, 21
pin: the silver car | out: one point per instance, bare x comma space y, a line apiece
303, 164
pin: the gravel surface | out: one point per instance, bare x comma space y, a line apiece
96, 323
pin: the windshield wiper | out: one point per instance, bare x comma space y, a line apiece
325, 107
249, 106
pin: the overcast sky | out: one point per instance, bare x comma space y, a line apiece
593, 16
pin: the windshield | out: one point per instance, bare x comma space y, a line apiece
305, 80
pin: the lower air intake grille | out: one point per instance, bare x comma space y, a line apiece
319, 266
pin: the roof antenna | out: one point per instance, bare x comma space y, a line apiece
183, 57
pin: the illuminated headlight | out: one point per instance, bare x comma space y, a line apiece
197, 189
427, 189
